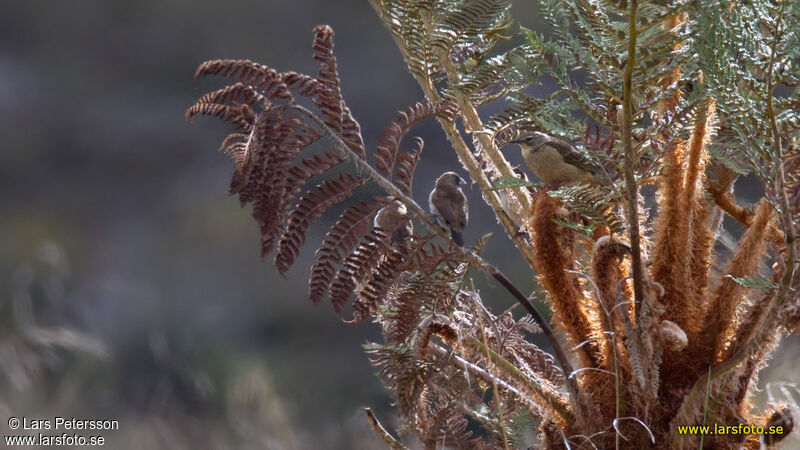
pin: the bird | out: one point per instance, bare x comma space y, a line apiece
552, 160
395, 216
447, 202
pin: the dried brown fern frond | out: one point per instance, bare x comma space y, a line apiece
359, 264
405, 311
233, 95
272, 132
266, 81
387, 151
328, 95
428, 314
406, 164
340, 242
522, 353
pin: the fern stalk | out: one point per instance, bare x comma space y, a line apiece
495, 392
627, 142
783, 198
388, 439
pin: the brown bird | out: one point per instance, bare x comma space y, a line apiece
553, 160
395, 216
447, 202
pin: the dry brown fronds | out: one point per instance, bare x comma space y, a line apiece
671, 248
726, 298
720, 185
554, 252
702, 232
608, 271
697, 155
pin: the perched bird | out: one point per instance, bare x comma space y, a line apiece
448, 203
395, 216
553, 160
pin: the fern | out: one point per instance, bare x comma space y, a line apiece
593, 203
341, 240
472, 20
387, 152
672, 100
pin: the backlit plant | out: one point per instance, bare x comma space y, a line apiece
654, 325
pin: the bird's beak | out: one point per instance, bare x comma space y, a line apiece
461, 181
515, 141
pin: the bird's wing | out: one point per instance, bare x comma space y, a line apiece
463, 212
570, 155
447, 212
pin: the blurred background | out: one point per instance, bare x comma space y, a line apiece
130, 283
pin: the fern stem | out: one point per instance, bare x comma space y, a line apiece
388, 439
495, 392
630, 178
783, 198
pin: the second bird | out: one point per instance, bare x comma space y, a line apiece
395, 216
448, 202
553, 160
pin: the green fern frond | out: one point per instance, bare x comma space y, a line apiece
592, 202
754, 282
471, 21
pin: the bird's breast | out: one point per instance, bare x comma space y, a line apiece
547, 164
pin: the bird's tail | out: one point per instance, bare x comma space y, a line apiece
457, 237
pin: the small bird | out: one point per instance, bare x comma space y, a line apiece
395, 216
447, 202
552, 160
